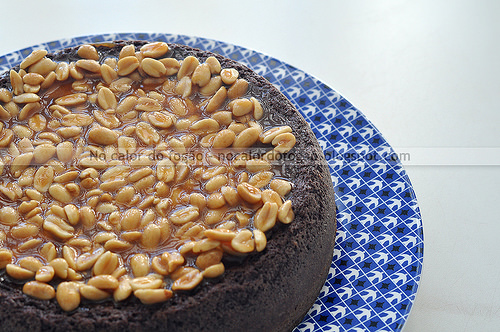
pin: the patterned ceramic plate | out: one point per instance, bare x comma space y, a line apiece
379, 252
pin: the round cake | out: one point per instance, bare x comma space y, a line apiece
148, 186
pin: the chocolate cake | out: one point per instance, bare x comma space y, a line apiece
249, 254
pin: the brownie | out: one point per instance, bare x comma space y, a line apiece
267, 291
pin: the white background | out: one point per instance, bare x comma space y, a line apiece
426, 73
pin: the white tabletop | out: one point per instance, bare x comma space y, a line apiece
427, 75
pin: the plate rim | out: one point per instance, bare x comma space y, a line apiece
152, 36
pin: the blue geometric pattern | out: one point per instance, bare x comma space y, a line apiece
379, 250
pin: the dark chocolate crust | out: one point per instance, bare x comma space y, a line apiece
269, 291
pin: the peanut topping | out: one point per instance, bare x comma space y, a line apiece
132, 175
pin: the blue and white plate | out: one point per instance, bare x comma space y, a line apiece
379, 251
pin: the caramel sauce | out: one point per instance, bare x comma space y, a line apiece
197, 156
195, 167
